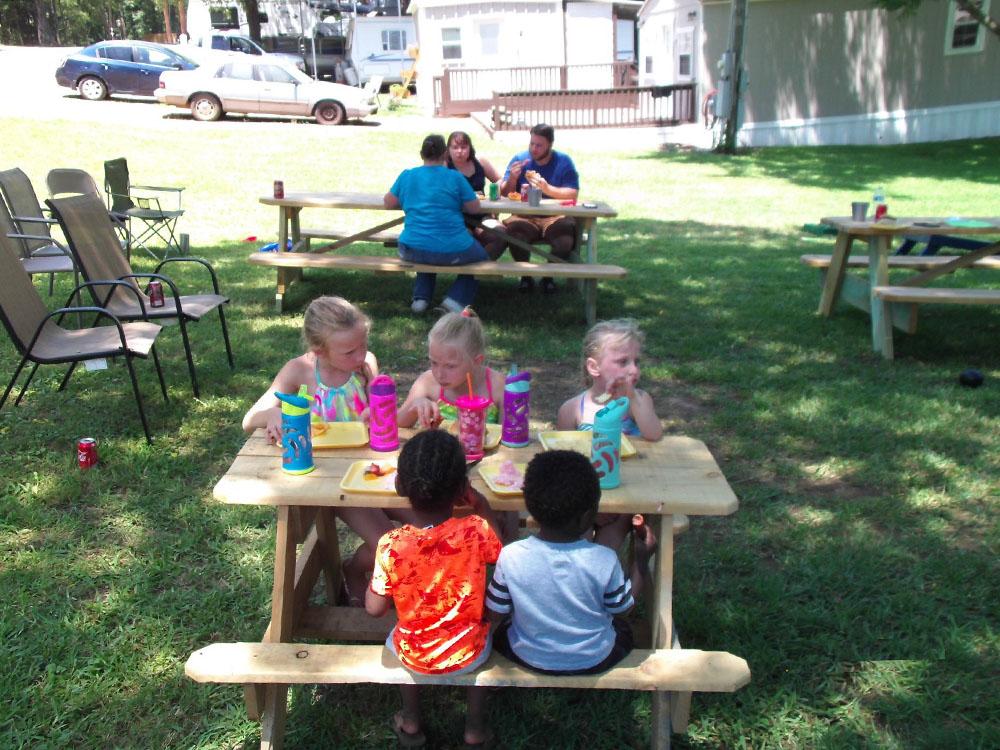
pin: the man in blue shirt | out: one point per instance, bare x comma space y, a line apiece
555, 175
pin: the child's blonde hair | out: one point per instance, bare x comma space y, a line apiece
605, 333
327, 315
463, 330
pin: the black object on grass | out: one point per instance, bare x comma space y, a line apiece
970, 378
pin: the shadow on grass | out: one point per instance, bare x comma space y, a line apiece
857, 577
857, 168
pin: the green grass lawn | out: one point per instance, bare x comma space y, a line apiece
858, 579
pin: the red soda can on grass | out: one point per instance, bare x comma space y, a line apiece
155, 292
86, 453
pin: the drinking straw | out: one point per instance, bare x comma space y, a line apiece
468, 379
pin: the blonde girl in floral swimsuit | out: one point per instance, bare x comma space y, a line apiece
336, 369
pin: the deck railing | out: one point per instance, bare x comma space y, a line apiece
595, 108
459, 91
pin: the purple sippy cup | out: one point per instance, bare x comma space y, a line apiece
516, 395
383, 430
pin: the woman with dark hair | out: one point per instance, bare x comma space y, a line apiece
433, 199
462, 158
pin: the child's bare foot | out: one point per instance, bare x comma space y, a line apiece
479, 739
407, 731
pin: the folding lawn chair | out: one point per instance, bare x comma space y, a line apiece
95, 246
22, 220
40, 338
155, 220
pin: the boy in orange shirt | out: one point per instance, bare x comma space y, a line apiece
435, 573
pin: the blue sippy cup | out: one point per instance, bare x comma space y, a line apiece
606, 446
296, 432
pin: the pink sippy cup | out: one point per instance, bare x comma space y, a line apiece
383, 430
472, 424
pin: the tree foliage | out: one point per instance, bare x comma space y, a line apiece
76, 22
972, 7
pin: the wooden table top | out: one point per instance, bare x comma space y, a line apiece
912, 225
373, 201
674, 475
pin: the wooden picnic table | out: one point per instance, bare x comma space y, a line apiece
897, 305
674, 475
289, 259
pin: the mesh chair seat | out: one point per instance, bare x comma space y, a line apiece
48, 264
57, 344
195, 307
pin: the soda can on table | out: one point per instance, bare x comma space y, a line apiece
524, 192
494, 191
279, 189
86, 453
155, 292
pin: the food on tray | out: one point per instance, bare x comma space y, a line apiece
509, 476
319, 428
514, 195
375, 471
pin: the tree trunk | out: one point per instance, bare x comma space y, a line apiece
252, 8
182, 15
165, 4
738, 26
45, 23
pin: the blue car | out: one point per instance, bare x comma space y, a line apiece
119, 67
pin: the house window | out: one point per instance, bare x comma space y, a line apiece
649, 63
451, 44
224, 18
489, 38
393, 39
963, 32
684, 65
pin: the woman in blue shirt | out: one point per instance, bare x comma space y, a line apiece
433, 198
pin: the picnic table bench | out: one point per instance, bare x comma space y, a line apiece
581, 267
895, 305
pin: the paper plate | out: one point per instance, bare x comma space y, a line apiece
490, 472
357, 480
339, 434
579, 441
957, 221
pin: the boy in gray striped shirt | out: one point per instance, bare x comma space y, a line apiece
564, 593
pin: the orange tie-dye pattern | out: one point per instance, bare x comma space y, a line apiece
437, 580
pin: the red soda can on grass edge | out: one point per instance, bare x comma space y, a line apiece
86, 453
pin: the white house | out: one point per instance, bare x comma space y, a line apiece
502, 34
835, 71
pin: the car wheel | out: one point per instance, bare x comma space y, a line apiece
330, 113
93, 88
206, 108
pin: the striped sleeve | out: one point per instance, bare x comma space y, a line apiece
618, 594
497, 595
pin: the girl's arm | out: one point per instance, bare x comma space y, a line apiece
266, 413
369, 373
642, 411
420, 403
471, 207
390, 201
497, 385
568, 412
489, 170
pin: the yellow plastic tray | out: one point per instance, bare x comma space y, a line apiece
354, 480
579, 441
489, 474
339, 434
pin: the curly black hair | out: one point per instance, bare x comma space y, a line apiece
559, 487
432, 471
